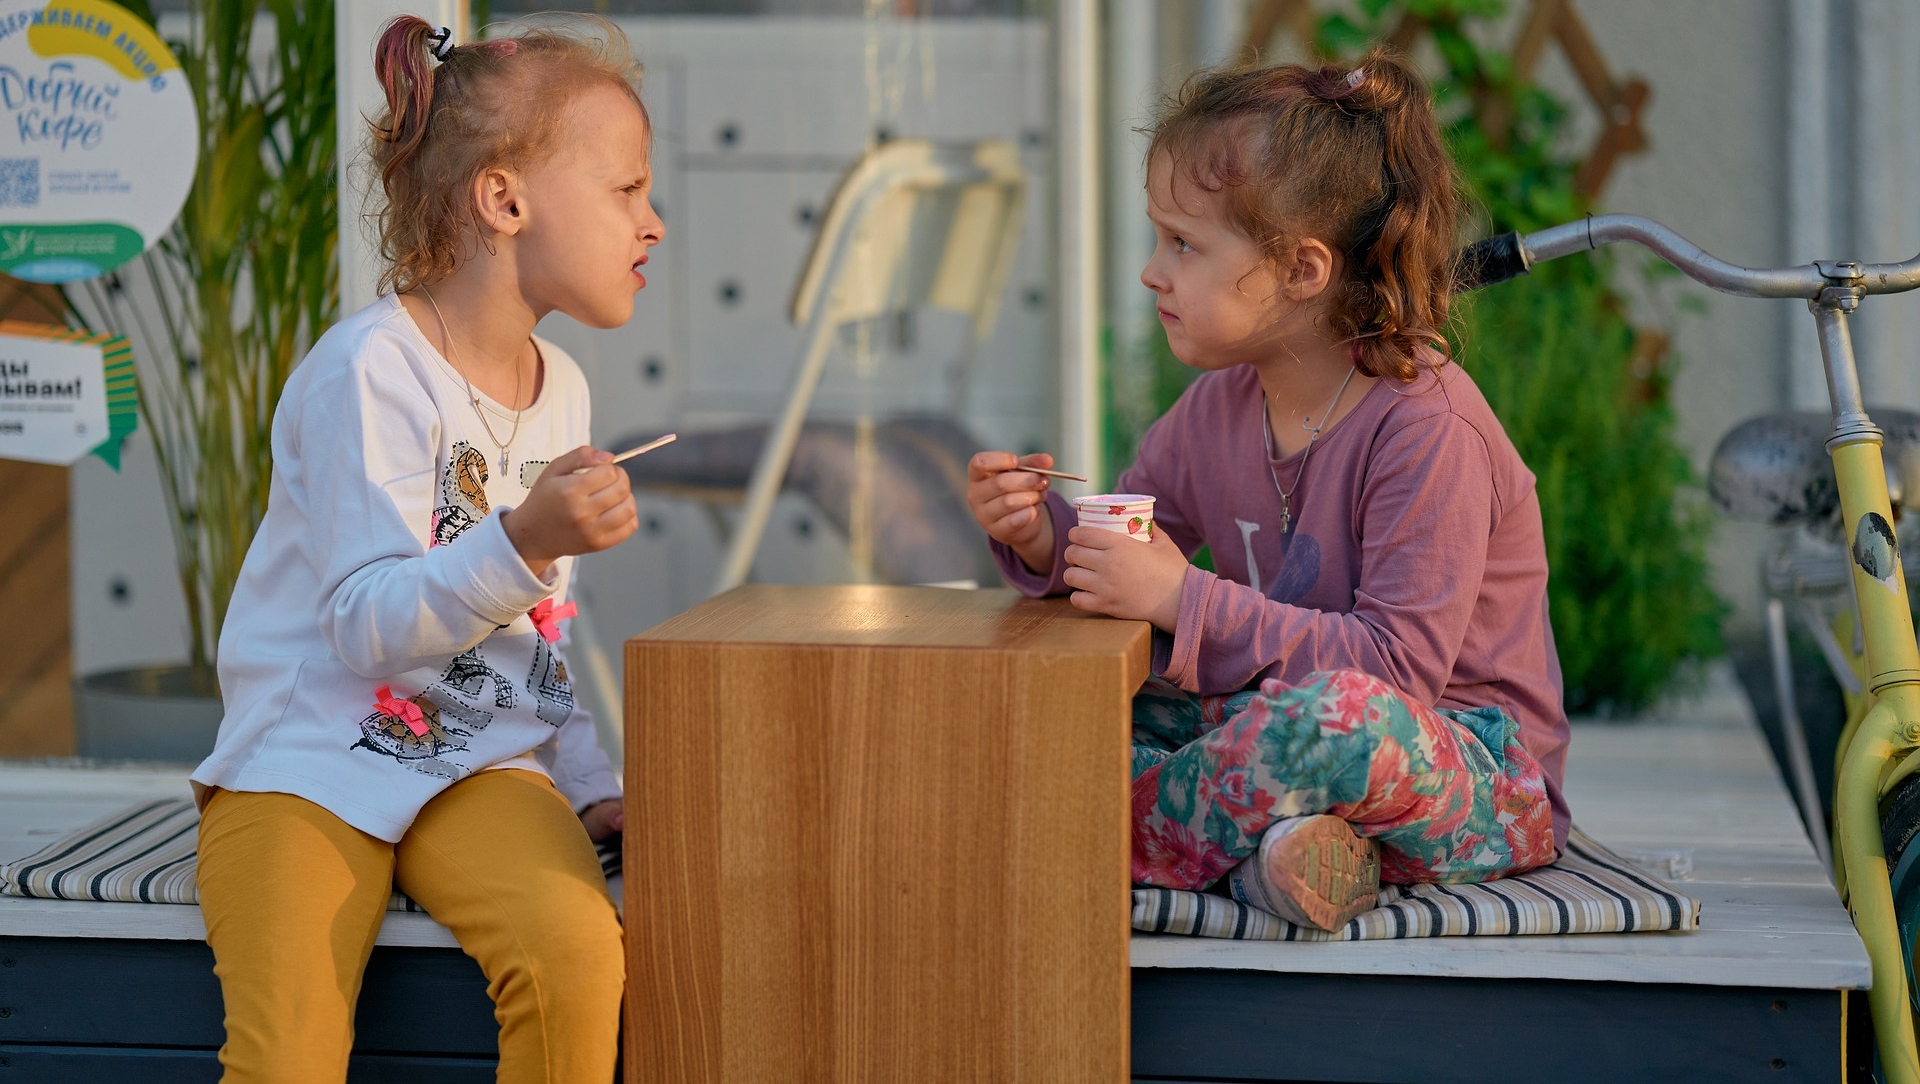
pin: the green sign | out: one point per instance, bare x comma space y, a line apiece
98, 138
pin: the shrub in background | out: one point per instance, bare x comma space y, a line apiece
1626, 540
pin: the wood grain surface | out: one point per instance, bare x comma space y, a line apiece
879, 834
36, 701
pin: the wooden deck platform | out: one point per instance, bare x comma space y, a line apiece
118, 992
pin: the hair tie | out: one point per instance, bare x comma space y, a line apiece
1356, 77
442, 40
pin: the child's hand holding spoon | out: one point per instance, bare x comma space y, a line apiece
643, 450
1007, 494
1053, 473
564, 514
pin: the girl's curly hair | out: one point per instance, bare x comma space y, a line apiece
1352, 157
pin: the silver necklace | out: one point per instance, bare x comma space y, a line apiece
473, 400
1266, 431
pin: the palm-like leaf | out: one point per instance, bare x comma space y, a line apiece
243, 283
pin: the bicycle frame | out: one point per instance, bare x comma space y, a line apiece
1890, 729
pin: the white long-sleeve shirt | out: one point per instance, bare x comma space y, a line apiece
383, 562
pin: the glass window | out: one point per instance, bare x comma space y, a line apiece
765, 112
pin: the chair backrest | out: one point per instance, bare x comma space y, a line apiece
917, 224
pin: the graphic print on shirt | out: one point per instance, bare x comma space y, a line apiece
462, 688
1247, 531
1299, 570
552, 692
1299, 567
463, 494
390, 736
459, 694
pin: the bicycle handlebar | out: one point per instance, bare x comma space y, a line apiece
1492, 260
1497, 259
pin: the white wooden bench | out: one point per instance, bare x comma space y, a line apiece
112, 992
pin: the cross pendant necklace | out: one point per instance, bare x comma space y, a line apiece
473, 400
1266, 432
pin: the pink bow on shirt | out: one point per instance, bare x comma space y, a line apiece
547, 619
406, 711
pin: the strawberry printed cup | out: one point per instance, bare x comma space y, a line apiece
1130, 514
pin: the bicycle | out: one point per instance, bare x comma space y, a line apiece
1881, 751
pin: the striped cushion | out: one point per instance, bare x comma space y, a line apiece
145, 854
142, 854
1589, 890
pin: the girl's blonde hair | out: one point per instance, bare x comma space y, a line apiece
488, 103
1352, 157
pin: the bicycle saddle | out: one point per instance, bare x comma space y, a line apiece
1775, 468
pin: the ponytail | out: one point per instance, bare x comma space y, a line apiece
401, 65
1352, 157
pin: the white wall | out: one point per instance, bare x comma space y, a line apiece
756, 121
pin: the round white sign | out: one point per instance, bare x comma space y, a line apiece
98, 138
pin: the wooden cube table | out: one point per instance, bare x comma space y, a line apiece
879, 835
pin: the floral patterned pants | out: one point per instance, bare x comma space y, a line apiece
1450, 795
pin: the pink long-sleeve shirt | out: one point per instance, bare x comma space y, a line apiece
1416, 553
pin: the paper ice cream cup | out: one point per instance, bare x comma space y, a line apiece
1130, 514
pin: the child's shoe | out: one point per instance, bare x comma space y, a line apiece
1312, 870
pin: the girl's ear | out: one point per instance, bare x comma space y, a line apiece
1307, 271
498, 197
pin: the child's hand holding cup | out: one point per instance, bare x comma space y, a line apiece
1130, 514
1118, 578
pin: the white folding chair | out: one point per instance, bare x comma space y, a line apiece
914, 225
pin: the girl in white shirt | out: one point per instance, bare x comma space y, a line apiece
393, 663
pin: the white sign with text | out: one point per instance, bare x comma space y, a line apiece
98, 138
53, 400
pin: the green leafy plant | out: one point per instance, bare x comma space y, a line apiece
1625, 542
1625, 518
239, 288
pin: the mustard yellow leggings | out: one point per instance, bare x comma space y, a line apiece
293, 898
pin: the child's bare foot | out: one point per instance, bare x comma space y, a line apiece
1313, 870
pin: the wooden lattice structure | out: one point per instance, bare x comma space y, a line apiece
1619, 102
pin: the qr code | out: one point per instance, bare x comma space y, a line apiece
19, 182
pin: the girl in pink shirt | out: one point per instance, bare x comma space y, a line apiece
1367, 688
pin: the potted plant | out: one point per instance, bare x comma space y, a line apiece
224, 306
